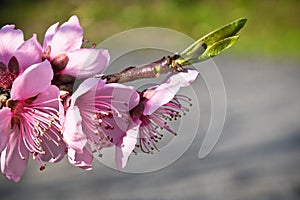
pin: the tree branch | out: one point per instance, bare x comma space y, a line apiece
151, 70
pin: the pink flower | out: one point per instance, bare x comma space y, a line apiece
95, 108
152, 124
161, 94
30, 122
16, 54
62, 47
157, 105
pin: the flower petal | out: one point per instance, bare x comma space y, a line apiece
83, 160
5, 117
49, 35
30, 52
125, 146
86, 62
166, 91
35, 79
12, 165
73, 134
121, 98
87, 86
50, 99
68, 37
120, 93
57, 152
10, 40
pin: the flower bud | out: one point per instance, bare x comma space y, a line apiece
60, 62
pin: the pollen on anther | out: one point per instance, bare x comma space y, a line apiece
42, 167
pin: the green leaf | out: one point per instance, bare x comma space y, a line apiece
212, 44
218, 47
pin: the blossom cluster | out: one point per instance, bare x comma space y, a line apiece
43, 120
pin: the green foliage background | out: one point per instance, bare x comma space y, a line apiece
272, 30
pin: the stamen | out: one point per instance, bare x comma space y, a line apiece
19, 147
36, 125
149, 134
85, 41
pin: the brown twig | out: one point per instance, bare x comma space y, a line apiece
151, 70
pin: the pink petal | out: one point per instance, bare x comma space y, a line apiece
120, 93
8, 27
49, 35
73, 134
30, 52
123, 98
125, 146
68, 37
166, 91
35, 79
51, 93
12, 165
119, 130
87, 86
84, 63
61, 113
47, 99
186, 77
57, 152
10, 40
5, 118
83, 160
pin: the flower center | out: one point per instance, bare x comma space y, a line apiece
38, 127
16, 107
149, 133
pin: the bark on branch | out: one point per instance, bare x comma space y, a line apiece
151, 70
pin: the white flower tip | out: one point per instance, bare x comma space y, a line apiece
74, 18
74, 21
8, 26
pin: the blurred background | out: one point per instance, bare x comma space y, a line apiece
272, 30
258, 154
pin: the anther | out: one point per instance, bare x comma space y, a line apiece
42, 167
